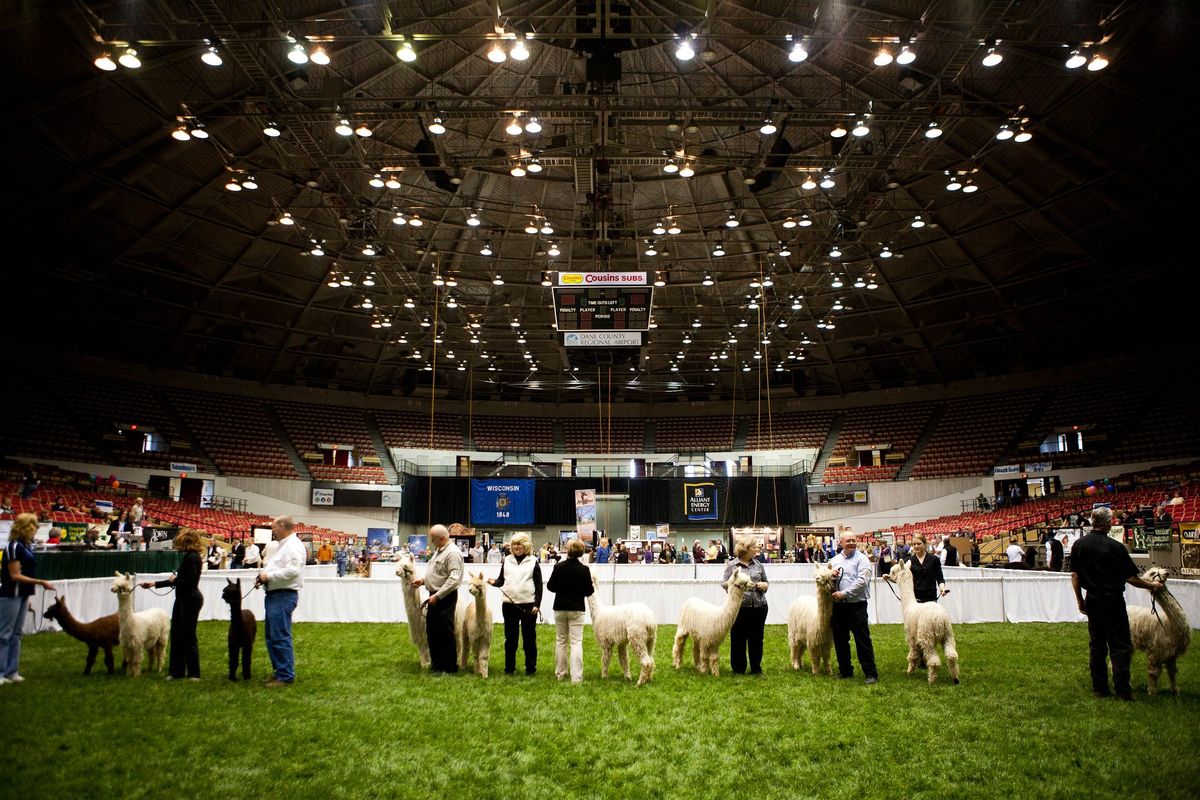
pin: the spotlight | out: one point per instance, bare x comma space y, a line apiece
871, 284
437, 127
837, 283
1076, 60
129, 59
933, 131
519, 51
104, 62
319, 56
992, 58
369, 280
533, 126
768, 127
405, 52
363, 130
917, 222
497, 281
861, 129
211, 57
343, 128
514, 128
906, 56
297, 54
1097, 63
798, 52
684, 51
496, 54
696, 323
249, 183
883, 57
860, 283
808, 183
369, 249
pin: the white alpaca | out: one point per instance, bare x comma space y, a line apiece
146, 630
624, 626
810, 624
707, 625
926, 625
473, 627
412, 609
1164, 637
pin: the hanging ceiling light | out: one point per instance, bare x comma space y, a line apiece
343, 128
917, 222
319, 250
368, 249
933, 130
838, 131
827, 181
377, 180
789, 223
415, 221
297, 54
520, 51
129, 59
534, 166
708, 281
660, 279
883, 57
514, 127
212, 57
271, 129
861, 128
860, 283
473, 220
369, 280
533, 126
808, 183
670, 167
487, 250
392, 182
1005, 133
836, 283
784, 250
405, 51
232, 185
180, 134
319, 56
835, 252
954, 183
399, 219
363, 130
886, 252
651, 248
517, 170
1097, 63
992, 58
437, 127
546, 280
731, 221
768, 127
798, 52
1076, 60
673, 228
286, 218
969, 187
805, 221
687, 170
554, 251
546, 229
1022, 135
871, 284
696, 323
659, 228
531, 227
718, 249
105, 62
496, 54
683, 49
248, 182
906, 55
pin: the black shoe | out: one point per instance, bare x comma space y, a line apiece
1102, 694
1125, 697
872, 681
756, 672
531, 672
845, 677
510, 672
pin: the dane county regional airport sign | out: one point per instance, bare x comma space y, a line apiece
602, 339
602, 301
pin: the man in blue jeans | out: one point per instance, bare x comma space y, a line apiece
850, 610
282, 577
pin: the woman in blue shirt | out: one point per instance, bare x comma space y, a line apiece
16, 587
746, 635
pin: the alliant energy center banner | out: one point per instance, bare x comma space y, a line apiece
502, 502
700, 501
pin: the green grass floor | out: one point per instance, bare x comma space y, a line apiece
362, 720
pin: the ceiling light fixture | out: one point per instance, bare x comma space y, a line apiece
917, 222
732, 221
651, 248
496, 54
660, 279
514, 127
519, 50
708, 281
554, 251
827, 181
933, 130
319, 56
954, 184
838, 131
718, 249
670, 167
805, 221
886, 252
789, 223
415, 221
861, 128
473, 220
286, 218
1022, 135
992, 58
363, 130
687, 170
1005, 133
883, 57
1076, 60
487, 250
129, 59
437, 127
517, 170
808, 183
376, 180
683, 50
533, 126
105, 62
297, 54
835, 252
969, 187
343, 128
798, 53
212, 57
405, 51
768, 127
399, 219
1097, 63
906, 55
546, 280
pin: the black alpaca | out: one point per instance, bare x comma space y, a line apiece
242, 629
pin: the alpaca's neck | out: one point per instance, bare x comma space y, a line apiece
594, 606
235, 609
481, 608
825, 601
72, 626
908, 597
733, 602
125, 607
1176, 620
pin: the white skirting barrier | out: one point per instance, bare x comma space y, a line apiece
977, 595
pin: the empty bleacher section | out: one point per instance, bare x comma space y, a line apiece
1166, 429
789, 430
973, 433
129, 419
1099, 409
310, 426
513, 434
33, 425
616, 435
693, 434
235, 432
896, 426
407, 429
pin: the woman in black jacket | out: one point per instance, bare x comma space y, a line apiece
185, 650
928, 583
571, 582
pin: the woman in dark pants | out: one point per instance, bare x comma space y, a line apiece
746, 635
522, 574
928, 583
185, 650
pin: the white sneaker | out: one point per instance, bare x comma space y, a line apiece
15, 678
4, 681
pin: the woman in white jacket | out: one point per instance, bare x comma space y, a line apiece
520, 581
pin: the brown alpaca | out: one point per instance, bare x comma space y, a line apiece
242, 629
101, 632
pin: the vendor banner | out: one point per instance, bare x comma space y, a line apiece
585, 513
502, 502
700, 501
1007, 469
1039, 466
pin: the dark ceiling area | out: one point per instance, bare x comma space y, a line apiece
1054, 201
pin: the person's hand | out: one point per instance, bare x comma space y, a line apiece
491, 581
1156, 586
1082, 607
263, 577
535, 611
838, 595
417, 582
432, 601
944, 592
761, 586
48, 586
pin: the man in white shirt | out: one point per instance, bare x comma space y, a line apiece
1014, 552
850, 610
282, 577
443, 575
253, 556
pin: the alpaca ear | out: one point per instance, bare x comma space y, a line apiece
118, 574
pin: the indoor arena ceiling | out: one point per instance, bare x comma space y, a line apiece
139, 249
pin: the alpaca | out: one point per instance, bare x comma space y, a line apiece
148, 630
407, 572
243, 627
1164, 637
627, 625
102, 632
810, 624
707, 625
473, 627
926, 625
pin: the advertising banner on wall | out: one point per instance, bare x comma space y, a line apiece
502, 501
1189, 548
700, 501
585, 513
322, 497
1007, 469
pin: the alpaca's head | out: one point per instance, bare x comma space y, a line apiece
1156, 574
56, 610
232, 591
899, 572
826, 577
123, 584
478, 585
741, 579
407, 570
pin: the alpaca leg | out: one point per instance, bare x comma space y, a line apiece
464, 650
1153, 670
135, 663
913, 657
677, 649
699, 655
247, 652
714, 660
606, 658
932, 661
233, 660
645, 661
481, 661
108, 658
1170, 665
93, 650
623, 657
951, 649
797, 654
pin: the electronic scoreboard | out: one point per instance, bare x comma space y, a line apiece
603, 301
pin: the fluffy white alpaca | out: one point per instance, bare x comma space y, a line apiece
629, 625
707, 625
1165, 637
412, 609
926, 626
146, 630
810, 623
473, 627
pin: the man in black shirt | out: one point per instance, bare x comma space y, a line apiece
1102, 566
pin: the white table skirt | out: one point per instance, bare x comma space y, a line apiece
977, 595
